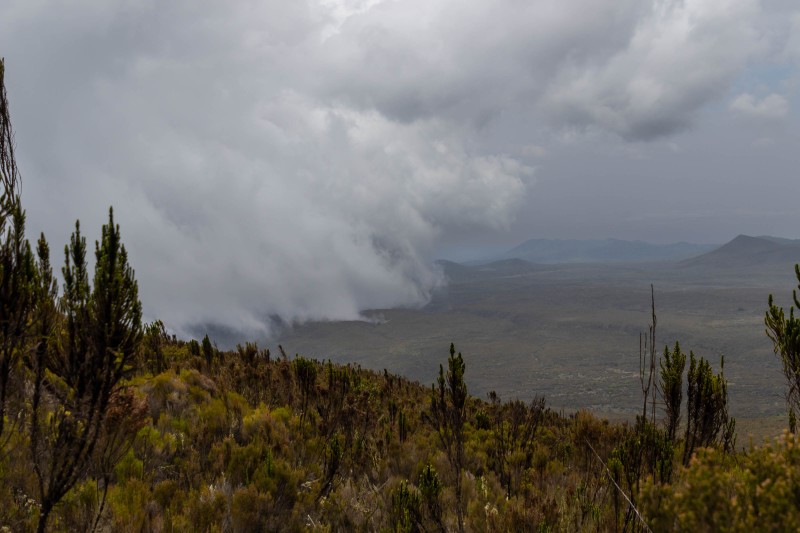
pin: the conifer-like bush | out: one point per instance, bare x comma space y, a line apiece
671, 384
784, 331
447, 415
707, 419
83, 362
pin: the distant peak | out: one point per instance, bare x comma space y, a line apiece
749, 240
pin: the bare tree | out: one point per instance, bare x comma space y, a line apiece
647, 360
8, 165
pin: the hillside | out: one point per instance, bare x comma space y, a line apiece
243, 441
748, 253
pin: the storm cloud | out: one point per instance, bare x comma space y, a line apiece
304, 160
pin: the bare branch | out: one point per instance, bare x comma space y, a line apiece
8, 165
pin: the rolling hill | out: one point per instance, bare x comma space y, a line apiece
748, 252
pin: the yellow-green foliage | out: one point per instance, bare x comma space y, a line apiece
755, 490
247, 444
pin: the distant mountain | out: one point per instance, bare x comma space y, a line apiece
747, 252
550, 251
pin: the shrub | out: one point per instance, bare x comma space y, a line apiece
755, 491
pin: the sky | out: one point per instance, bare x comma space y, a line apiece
282, 161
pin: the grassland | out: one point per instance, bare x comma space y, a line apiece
571, 332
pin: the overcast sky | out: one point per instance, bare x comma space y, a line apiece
309, 159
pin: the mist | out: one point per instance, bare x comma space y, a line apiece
274, 162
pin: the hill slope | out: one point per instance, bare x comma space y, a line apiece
748, 253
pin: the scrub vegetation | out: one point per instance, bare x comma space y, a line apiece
110, 424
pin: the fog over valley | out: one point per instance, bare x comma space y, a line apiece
310, 160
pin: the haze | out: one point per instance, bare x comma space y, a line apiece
309, 160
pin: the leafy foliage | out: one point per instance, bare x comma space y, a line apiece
784, 331
753, 491
672, 367
447, 415
18, 279
79, 372
707, 421
514, 428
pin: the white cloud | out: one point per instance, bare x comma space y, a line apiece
771, 107
302, 159
242, 193
680, 56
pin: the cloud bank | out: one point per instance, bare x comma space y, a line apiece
302, 160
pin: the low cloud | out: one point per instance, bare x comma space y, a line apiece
243, 195
302, 160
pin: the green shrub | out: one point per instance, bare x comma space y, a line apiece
754, 491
